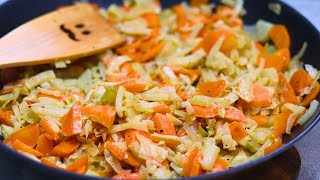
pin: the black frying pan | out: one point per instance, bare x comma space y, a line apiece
16, 12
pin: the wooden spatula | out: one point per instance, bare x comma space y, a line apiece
68, 33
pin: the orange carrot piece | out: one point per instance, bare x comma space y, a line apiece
277, 60
45, 144
237, 131
220, 165
204, 112
196, 168
280, 36
261, 119
260, 48
152, 19
181, 15
261, 98
134, 86
128, 176
280, 123
299, 80
130, 159
193, 74
71, 123
20, 146
234, 114
181, 133
79, 164
82, 170
27, 135
274, 146
287, 92
163, 124
103, 114
198, 2
107, 61
210, 38
46, 126
311, 96
49, 163
59, 98
130, 135
161, 108
65, 148
5, 117
183, 95
191, 161
115, 150
172, 143
212, 88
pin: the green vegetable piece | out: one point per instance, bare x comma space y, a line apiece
202, 132
109, 96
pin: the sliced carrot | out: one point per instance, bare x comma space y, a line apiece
80, 165
260, 48
107, 61
152, 19
49, 163
311, 96
274, 146
198, 2
130, 159
45, 144
210, 38
170, 141
181, 133
261, 119
299, 80
27, 135
277, 60
65, 148
287, 93
5, 117
103, 114
161, 108
163, 124
191, 162
237, 131
176, 86
165, 163
261, 98
130, 135
134, 86
115, 150
193, 74
71, 123
220, 165
196, 168
280, 123
46, 126
20, 146
181, 15
212, 88
204, 112
183, 95
59, 98
280, 36
234, 114
128, 176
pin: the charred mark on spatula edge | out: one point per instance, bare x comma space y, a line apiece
70, 34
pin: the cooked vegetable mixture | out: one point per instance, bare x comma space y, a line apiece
190, 92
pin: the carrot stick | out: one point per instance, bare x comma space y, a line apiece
103, 114
196, 168
161, 108
280, 36
134, 86
59, 98
237, 131
311, 96
191, 162
210, 38
128, 176
49, 163
204, 112
170, 141
261, 119
71, 123
130, 135
287, 93
220, 165
197, 3
277, 60
299, 80
79, 164
45, 144
274, 146
27, 135
163, 124
181, 15
115, 150
152, 19
20, 146
280, 123
261, 98
130, 159
212, 88
193, 74
234, 114
65, 148
183, 95
181, 133
5, 117
46, 126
